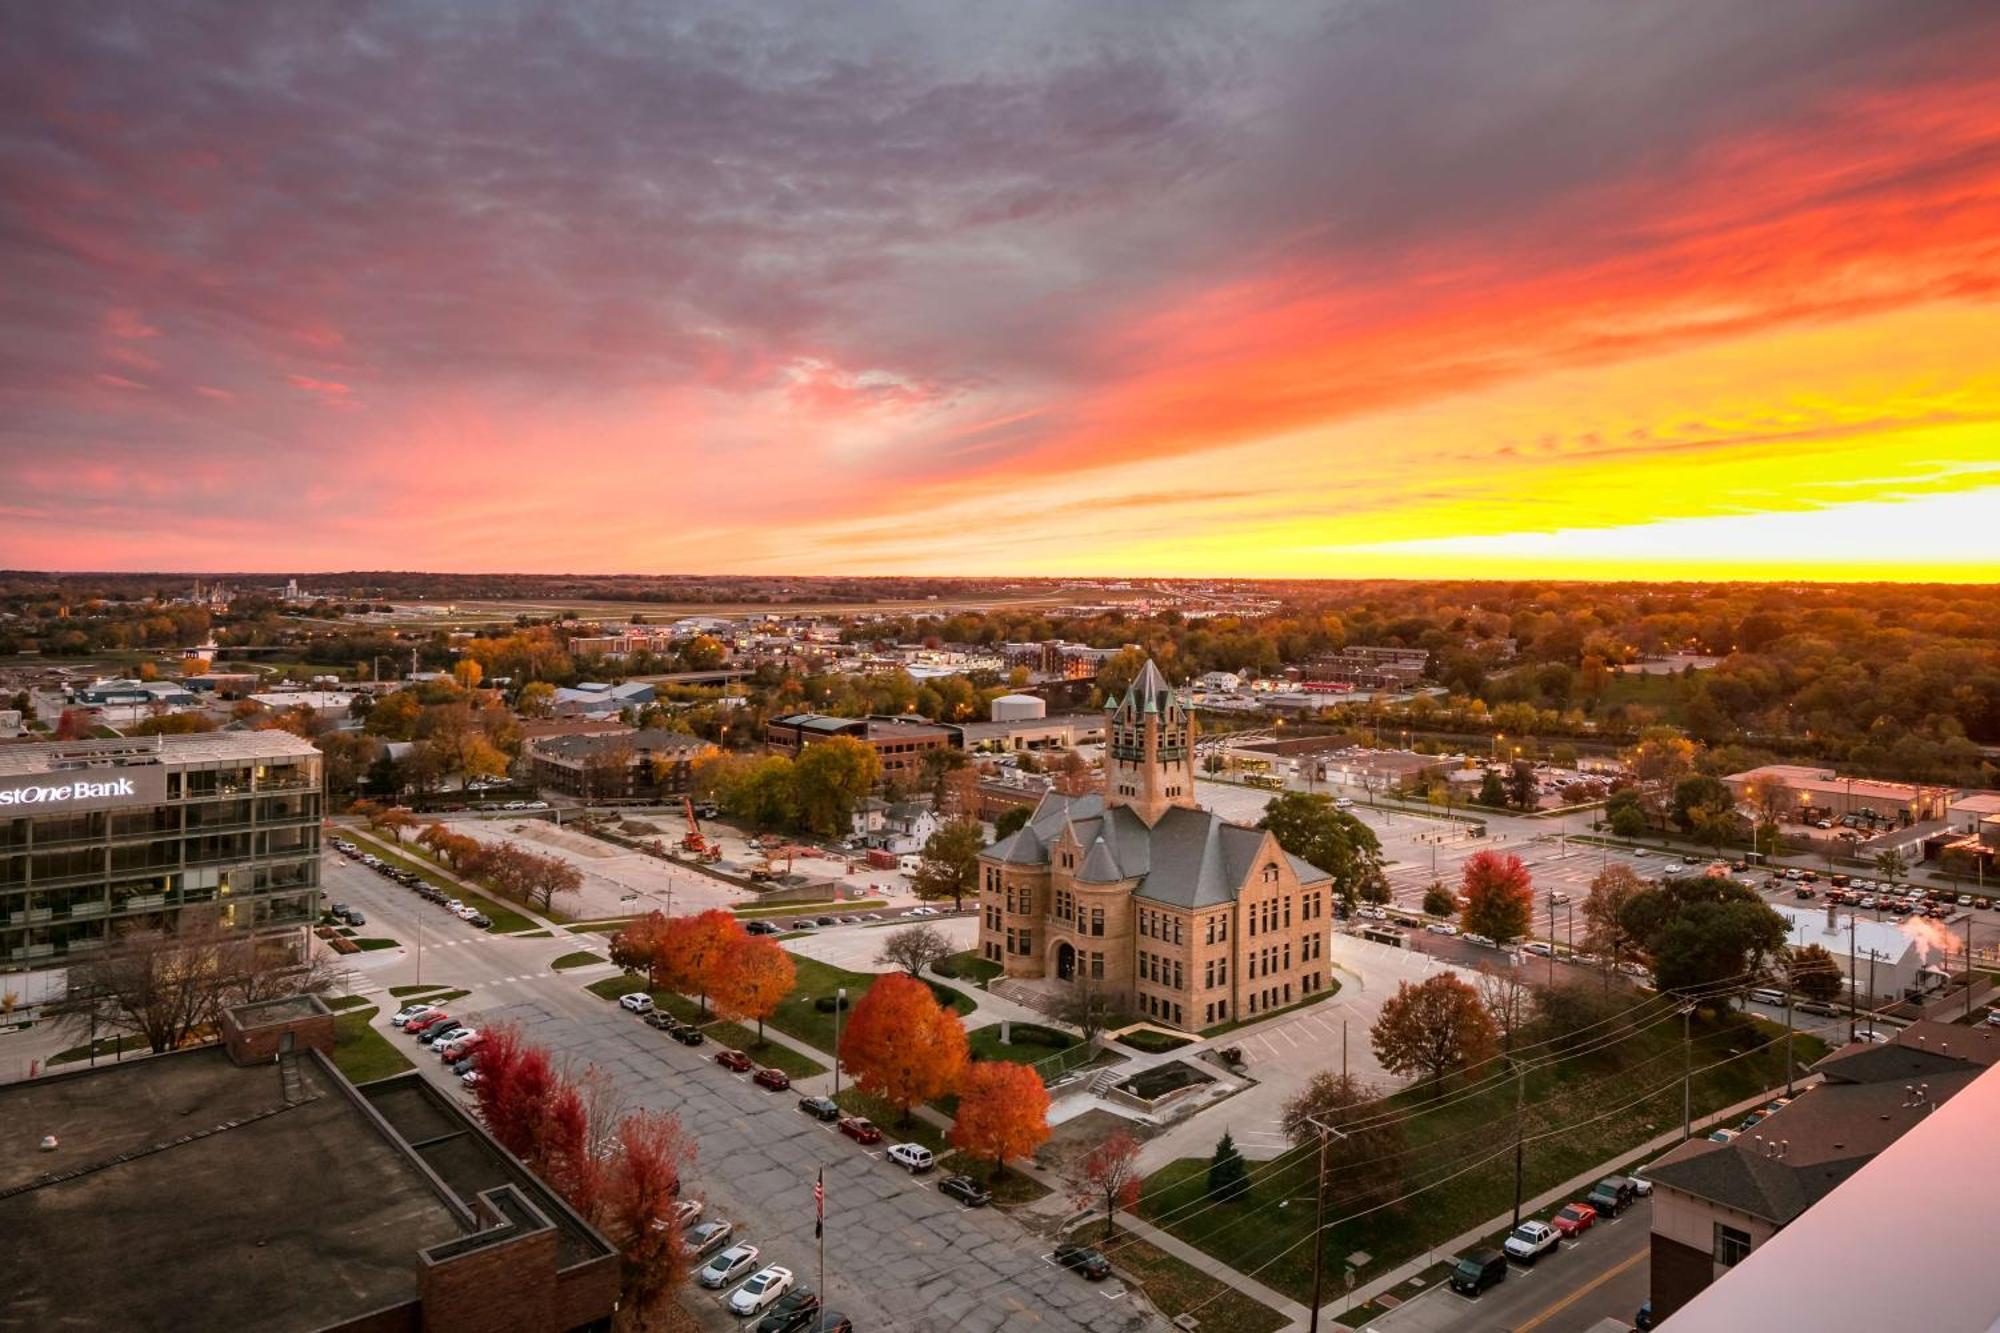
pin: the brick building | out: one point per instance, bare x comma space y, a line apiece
1183, 917
900, 746
620, 765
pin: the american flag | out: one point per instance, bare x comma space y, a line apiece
819, 1204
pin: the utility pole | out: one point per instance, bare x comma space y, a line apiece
1326, 1132
1968, 967
1851, 978
839, 1003
1687, 1074
1343, 1049
1788, 1039
1552, 939
1520, 1099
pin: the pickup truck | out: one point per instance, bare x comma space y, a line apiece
1530, 1241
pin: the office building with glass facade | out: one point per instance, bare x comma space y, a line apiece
98, 836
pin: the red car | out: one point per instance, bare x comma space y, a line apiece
424, 1022
735, 1060
1573, 1220
861, 1131
777, 1080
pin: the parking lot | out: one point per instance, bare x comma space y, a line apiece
900, 1256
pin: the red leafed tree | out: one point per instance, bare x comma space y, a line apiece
533, 1112
1433, 1027
752, 979
1003, 1111
636, 947
902, 1045
692, 951
1108, 1175
1499, 896
649, 1159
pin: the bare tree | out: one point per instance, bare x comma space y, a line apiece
1510, 1000
1086, 1006
914, 948
168, 985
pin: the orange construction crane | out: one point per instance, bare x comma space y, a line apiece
693, 841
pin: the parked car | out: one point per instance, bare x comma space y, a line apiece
1539, 948
684, 1214
416, 1026
1723, 1135
638, 1002
826, 920
1611, 1196
1641, 1187
687, 1035
762, 1288
443, 1032
914, 1157
356, 917
794, 1311
470, 1077
1082, 1259
859, 1129
661, 1019
727, 1266
1530, 1241
480, 921
705, 1236
1820, 1007
777, 1080
1573, 1219
411, 1011
1476, 1270
966, 1190
338, 911
1873, 1036
760, 928
820, 1108
466, 1064
460, 1046
803, 923
734, 1060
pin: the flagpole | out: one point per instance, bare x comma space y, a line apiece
819, 1230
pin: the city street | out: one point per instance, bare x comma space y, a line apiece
1602, 1273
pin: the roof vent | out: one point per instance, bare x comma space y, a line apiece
49, 1143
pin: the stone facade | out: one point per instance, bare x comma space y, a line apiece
1181, 917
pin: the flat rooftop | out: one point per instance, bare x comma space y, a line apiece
200, 748
188, 1186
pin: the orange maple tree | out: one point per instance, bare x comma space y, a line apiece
692, 949
902, 1045
1003, 1111
752, 979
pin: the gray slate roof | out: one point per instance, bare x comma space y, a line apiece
1190, 859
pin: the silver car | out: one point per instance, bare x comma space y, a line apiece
726, 1267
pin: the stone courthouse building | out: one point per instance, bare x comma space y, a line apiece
1181, 916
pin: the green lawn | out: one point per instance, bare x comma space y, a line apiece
796, 1016
774, 1054
340, 1002
1664, 694
531, 935
1593, 1108
1010, 1188
504, 918
1154, 1043
1030, 1042
1175, 1287
362, 1053
414, 990
969, 966
610, 988
581, 958
377, 942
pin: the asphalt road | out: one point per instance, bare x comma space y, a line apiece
900, 1257
1603, 1273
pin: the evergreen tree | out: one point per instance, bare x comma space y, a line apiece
1228, 1175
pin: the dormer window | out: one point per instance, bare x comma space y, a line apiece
1271, 872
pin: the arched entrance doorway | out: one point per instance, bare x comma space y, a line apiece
1065, 961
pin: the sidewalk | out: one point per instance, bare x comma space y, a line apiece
1369, 1290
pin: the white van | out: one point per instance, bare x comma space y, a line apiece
909, 865
1767, 995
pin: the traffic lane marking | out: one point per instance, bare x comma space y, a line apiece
1552, 1311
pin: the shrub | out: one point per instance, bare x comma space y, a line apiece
826, 1004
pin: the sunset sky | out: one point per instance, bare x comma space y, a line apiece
1680, 288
